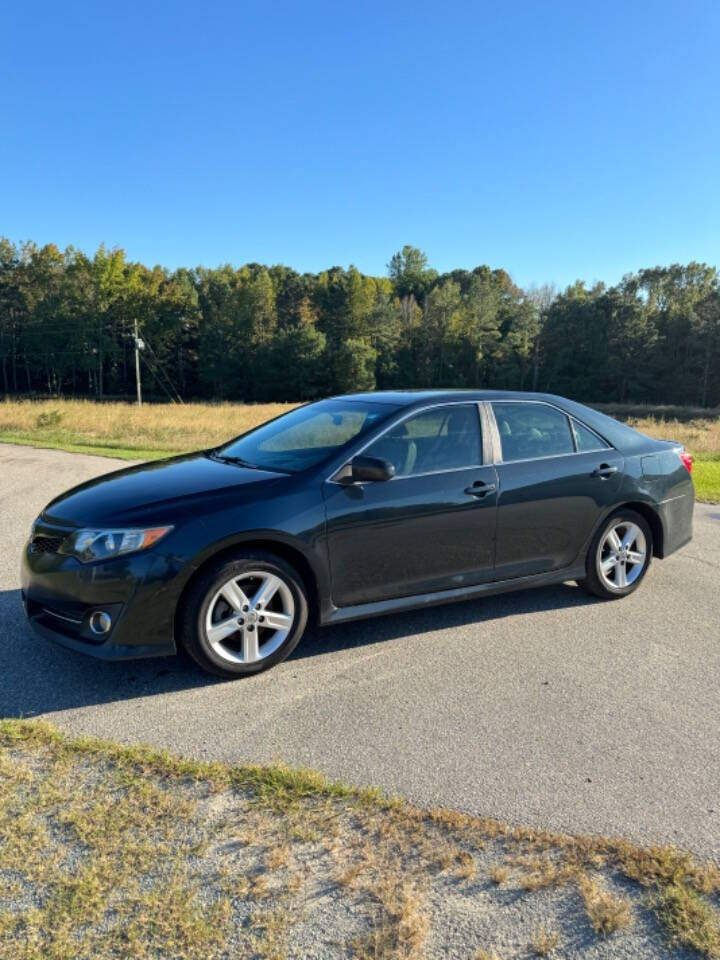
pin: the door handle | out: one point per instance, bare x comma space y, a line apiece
604, 471
479, 489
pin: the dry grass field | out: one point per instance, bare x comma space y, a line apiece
699, 434
125, 430
158, 430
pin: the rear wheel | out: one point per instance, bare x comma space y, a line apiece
244, 615
619, 556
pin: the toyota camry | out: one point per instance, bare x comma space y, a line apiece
351, 507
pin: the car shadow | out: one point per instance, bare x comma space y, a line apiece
358, 633
38, 677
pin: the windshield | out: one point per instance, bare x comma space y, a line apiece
306, 436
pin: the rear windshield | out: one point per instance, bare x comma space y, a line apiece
307, 435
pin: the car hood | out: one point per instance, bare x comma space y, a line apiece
157, 491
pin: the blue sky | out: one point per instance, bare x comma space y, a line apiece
556, 140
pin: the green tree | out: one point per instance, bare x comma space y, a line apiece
355, 365
294, 364
258, 332
409, 273
411, 279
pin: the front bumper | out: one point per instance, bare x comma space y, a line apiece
105, 650
138, 591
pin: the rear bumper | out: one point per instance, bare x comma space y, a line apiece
676, 515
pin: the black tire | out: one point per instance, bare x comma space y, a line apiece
195, 605
593, 582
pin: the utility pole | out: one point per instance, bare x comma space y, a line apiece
139, 345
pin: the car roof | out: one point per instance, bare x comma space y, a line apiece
406, 398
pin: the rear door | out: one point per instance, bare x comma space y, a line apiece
431, 527
556, 477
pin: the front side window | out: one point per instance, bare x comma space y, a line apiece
443, 438
306, 436
531, 430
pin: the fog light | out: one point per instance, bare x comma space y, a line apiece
100, 622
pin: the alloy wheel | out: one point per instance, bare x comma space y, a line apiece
621, 555
250, 617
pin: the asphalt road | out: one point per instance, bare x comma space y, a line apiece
544, 707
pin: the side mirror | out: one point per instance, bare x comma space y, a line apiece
369, 469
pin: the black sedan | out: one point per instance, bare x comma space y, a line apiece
347, 508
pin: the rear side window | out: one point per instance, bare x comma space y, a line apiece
444, 438
585, 439
531, 430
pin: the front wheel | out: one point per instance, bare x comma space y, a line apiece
244, 615
619, 556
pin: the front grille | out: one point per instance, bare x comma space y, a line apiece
46, 544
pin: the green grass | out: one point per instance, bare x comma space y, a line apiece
688, 919
706, 475
60, 441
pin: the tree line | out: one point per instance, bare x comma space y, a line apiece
261, 333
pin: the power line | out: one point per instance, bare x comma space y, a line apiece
162, 371
157, 380
50, 352
47, 354
49, 326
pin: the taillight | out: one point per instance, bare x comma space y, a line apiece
687, 460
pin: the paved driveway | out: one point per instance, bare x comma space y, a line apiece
544, 707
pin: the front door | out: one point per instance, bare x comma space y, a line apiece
431, 527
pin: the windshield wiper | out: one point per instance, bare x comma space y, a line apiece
238, 461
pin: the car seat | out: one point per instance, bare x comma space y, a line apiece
399, 448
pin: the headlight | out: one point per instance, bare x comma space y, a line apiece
89, 545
